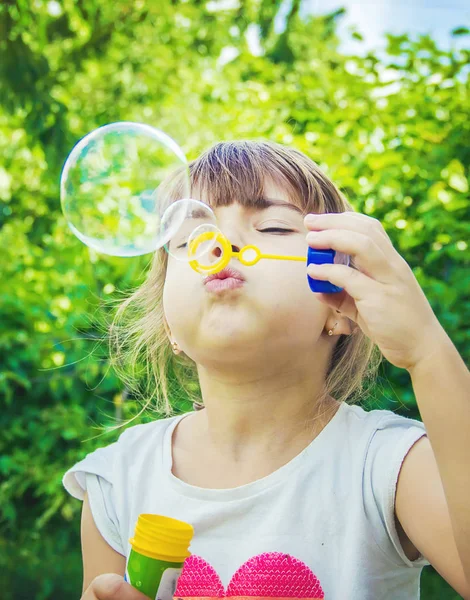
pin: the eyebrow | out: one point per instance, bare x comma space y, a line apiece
264, 203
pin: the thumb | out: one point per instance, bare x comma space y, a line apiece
111, 586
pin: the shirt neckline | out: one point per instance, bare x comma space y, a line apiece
255, 487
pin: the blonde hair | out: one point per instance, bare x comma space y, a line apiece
139, 344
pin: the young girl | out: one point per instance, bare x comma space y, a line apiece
292, 491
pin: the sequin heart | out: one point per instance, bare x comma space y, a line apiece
263, 577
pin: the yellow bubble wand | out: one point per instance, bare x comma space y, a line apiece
228, 253
313, 256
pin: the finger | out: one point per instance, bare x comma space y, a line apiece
353, 221
369, 257
110, 586
357, 285
332, 219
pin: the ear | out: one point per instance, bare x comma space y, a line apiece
340, 324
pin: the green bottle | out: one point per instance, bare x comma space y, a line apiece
159, 548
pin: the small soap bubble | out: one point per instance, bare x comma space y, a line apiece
190, 225
208, 244
113, 187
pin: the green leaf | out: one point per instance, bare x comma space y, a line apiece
460, 31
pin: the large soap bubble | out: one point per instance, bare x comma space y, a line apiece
111, 188
181, 221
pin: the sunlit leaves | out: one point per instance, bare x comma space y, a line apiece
393, 133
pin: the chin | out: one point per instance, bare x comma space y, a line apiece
236, 343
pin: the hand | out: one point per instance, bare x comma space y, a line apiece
111, 586
381, 294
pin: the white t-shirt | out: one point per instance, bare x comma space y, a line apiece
321, 524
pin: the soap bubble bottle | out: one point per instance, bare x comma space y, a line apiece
159, 548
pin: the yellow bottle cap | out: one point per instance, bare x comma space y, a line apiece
163, 538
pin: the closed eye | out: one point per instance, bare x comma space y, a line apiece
276, 229
279, 230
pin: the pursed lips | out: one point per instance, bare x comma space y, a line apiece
227, 279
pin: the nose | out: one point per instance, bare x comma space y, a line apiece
217, 250
230, 226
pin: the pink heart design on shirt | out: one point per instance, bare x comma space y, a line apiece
266, 576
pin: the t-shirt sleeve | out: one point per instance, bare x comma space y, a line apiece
389, 444
96, 474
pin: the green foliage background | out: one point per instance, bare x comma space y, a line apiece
392, 132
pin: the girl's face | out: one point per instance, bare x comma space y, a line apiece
273, 313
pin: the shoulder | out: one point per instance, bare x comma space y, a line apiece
139, 444
380, 440
135, 436
370, 422
135, 445
143, 432
386, 436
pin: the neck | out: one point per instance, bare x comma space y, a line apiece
263, 408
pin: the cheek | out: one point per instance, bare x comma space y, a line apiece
284, 287
284, 278
181, 294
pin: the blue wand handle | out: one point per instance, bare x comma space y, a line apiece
320, 257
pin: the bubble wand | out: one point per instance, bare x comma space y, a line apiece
250, 255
